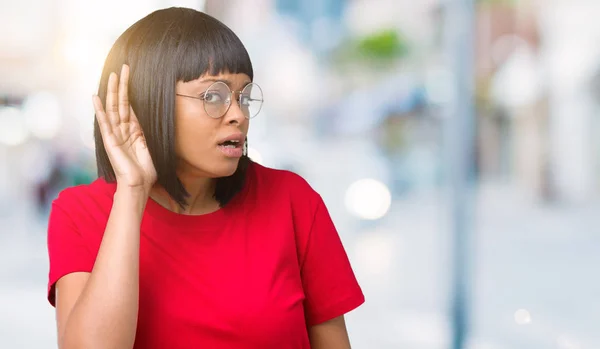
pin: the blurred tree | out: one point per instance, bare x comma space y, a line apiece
380, 49
384, 45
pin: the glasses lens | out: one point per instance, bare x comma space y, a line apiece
251, 100
216, 99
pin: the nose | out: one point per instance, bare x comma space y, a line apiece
234, 114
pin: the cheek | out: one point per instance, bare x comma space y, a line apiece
194, 135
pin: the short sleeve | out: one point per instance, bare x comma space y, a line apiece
329, 283
67, 250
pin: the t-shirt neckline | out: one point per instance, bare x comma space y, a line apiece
157, 211
218, 217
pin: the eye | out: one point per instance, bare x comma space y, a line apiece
213, 97
245, 100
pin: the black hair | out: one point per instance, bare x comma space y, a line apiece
167, 46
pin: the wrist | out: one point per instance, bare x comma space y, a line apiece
132, 192
130, 201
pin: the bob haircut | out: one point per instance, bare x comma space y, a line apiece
167, 46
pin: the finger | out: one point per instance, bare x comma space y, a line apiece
123, 96
132, 115
134, 122
112, 106
105, 128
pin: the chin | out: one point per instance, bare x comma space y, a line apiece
225, 169
217, 168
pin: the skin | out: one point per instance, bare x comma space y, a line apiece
196, 137
99, 309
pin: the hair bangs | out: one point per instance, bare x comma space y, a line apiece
209, 47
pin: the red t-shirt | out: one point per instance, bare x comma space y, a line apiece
254, 274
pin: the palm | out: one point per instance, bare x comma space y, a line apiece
123, 137
128, 154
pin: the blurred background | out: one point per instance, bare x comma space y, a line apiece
363, 99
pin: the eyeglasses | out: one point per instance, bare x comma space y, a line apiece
217, 99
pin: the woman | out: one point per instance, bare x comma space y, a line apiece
183, 241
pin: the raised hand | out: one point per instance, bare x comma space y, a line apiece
123, 137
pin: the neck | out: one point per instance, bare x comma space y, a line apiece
199, 201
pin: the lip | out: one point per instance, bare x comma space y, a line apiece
235, 153
240, 137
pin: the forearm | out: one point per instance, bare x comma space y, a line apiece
105, 314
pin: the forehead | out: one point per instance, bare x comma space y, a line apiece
232, 80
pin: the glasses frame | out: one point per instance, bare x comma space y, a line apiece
230, 98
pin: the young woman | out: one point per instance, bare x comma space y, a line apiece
183, 241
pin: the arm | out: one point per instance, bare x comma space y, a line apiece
331, 334
329, 284
99, 309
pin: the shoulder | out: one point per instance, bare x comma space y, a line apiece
283, 193
85, 199
277, 182
98, 190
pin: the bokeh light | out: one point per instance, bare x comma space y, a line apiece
42, 114
522, 317
368, 199
13, 130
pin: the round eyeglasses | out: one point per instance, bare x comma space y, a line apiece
217, 99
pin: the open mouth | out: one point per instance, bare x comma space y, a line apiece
231, 144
